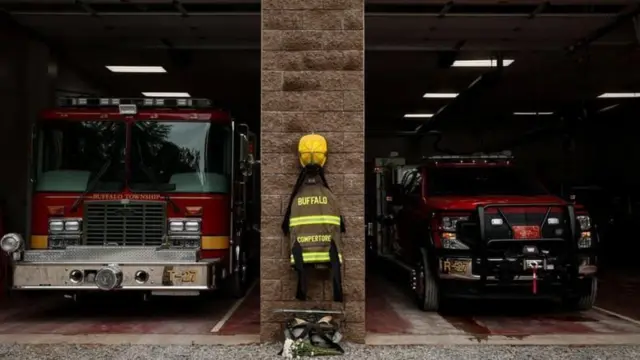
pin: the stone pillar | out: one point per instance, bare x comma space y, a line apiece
312, 81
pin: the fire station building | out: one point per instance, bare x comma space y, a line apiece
553, 82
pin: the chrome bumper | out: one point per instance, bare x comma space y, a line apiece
164, 269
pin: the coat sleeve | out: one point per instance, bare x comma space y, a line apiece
343, 228
287, 214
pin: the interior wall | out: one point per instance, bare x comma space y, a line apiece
30, 78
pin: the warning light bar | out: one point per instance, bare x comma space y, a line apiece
136, 102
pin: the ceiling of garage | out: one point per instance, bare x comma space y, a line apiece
211, 49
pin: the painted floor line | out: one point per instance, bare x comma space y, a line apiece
130, 339
233, 309
468, 339
615, 314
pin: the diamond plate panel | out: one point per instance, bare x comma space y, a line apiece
112, 254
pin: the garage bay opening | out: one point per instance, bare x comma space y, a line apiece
496, 145
139, 182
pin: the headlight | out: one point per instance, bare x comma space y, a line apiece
56, 225
11, 243
72, 225
176, 226
584, 221
449, 223
585, 240
449, 241
65, 224
186, 225
192, 226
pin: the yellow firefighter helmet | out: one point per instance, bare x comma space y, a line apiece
312, 150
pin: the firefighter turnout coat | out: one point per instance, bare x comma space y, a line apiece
314, 225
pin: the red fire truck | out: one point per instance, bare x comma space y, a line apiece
137, 194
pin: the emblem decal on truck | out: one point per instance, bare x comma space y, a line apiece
118, 196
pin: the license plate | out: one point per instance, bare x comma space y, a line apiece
456, 266
526, 232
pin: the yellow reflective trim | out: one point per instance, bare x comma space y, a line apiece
215, 242
316, 257
313, 217
337, 223
39, 242
314, 220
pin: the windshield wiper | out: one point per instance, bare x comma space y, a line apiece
156, 186
92, 185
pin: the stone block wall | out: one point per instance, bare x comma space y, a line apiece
312, 81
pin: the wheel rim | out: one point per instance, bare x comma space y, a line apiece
243, 268
420, 281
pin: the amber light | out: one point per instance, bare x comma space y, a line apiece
57, 210
449, 236
193, 210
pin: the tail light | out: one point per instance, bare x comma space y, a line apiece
444, 235
585, 227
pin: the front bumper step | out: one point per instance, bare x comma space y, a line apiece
111, 254
132, 268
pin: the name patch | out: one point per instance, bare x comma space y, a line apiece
312, 200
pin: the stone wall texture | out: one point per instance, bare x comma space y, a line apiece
312, 81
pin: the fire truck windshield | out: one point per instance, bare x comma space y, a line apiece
70, 154
180, 157
479, 181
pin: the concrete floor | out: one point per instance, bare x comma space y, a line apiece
390, 310
130, 314
392, 318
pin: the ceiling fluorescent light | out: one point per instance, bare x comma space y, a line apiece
416, 116
166, 94
533, 113
136, 69
481, 63
440, 95
619, 95
607, 108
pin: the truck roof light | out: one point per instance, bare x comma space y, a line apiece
479, 157
192, 103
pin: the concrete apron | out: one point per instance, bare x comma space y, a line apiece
554, 339
371, 339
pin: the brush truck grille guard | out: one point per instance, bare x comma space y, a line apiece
511, 244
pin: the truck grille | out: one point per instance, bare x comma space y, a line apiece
531, 216
134, 224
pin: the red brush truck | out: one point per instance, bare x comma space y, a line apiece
476, 227
136, 194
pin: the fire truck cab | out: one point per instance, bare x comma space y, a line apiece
136, 194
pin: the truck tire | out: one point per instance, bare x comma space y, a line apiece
239, 279
583, 302
427, 291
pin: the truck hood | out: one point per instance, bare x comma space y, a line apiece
471, 202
